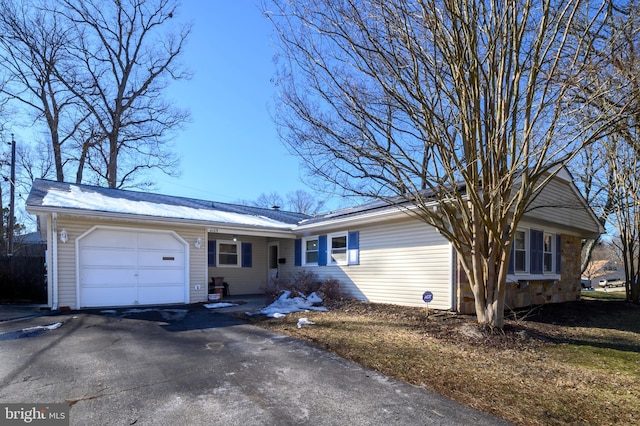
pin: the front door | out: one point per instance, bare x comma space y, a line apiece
273, 250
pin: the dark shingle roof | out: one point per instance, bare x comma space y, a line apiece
42, 187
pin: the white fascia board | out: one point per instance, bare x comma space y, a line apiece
219, 227
358, 219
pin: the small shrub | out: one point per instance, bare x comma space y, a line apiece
305, 282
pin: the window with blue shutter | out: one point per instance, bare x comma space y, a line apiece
537, 251
353, 246
211, 252
246, 255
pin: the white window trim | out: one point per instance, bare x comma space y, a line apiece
330, 238
304, 250
238, 251
526, 253
553, 253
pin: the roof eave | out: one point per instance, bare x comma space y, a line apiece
211, 226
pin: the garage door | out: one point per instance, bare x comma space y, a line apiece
119, 267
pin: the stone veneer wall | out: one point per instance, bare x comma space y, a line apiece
530, 293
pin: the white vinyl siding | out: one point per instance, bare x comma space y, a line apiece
558, 203
398, 262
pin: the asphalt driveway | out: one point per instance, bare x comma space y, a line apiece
189, 365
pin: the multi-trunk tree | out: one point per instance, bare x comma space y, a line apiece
463, 108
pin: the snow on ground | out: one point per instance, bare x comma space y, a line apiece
219, 305
43, 327
286, 305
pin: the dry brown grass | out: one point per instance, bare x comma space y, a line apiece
575, 363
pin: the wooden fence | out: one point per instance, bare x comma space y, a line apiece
23, 279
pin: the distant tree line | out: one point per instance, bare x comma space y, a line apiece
299, 201
91, 75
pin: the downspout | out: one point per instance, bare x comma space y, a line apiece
53, 273
454, 284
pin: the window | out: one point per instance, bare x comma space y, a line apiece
520, 251
228, 253
311, 250
338, 247
341, 248
547, 256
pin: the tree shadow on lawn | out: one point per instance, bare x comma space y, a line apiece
601, 317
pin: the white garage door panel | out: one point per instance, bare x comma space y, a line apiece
151, 241
116, 296
153, 295
108, 277
110, 238
120, 267
161, 277
162, 259
94, 256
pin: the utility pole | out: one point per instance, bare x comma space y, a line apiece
12, 197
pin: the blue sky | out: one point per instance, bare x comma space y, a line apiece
230, 150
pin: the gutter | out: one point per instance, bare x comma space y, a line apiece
52, 275
284, 231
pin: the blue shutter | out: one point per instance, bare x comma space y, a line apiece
322, 250
211, 252
353, 248
558, 254
511, 269
297, 261
536, 251
245, 249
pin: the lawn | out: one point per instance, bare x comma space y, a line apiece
571, 363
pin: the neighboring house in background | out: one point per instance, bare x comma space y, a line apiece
30, 244
608, 270
109, 247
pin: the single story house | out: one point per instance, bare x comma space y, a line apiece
110, 247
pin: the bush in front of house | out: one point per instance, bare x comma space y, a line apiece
305, 283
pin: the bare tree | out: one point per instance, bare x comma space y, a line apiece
303, 202
270, 200
595, 180
460, 107
32, 42
610, 171
299, 201
626, 171
120, 60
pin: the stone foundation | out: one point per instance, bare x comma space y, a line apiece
534, 292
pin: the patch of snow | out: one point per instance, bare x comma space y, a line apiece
286, 305
304, 321
43, 327
109, 311
219, 305
89, 200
